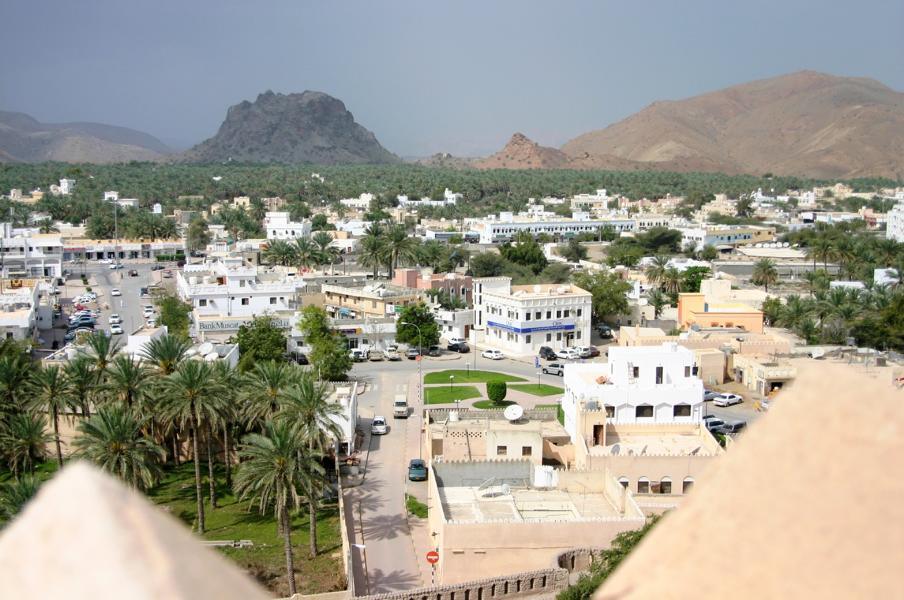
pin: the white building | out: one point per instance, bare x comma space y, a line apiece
279, 227
639, 384
895, 224
66, 186
362, 202
353, 227
25, 307
520, 319
592, 202
157, 208
127, 202
24, 254
450, 198
507, 226
226, 293
111, 196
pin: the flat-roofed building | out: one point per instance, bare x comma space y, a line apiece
695, 310
372, 300
280, 227
24, 254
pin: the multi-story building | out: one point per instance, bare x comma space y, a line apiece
725, 236
24, 254
507, 226
519, 319
279, 227
455, 284
895, 223
67, 186
361, 203
591, 202
700, 311
373, 300
226, 293
77, 248
26, 305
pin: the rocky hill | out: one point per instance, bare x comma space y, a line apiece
805, 123
522, 153
310, 127
24, 139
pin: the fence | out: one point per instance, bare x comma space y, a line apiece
545, 581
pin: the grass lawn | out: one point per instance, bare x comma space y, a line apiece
415, 506
535, 389
235, 520
465, 376
489, 404
443, 395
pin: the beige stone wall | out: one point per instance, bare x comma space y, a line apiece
711, 364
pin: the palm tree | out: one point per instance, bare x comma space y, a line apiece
190, 389
166, 353
887, 251
322, 240
128, 379
270, 475
764, 273
305, 404
50, 394
822, 247
112, 439
47, 226
23, 442
306, 254
671, 281
656, 271
846, 255
373, 249
101, 349
231, 380
657, 300
279, 252
15, 494
82, 382
263, 387
399, 246
15, 370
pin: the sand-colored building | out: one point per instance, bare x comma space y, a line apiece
694, 309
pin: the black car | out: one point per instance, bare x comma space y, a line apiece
434, 351
460, 347
157, 268
300, 358
604, 330
547, 353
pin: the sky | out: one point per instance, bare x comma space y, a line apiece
428, 75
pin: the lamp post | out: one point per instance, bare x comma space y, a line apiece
451, 379
538, 380
420, 359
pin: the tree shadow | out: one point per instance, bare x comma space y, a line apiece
394, 581
385, 527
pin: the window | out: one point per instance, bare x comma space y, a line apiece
548, 337
644, 411
687, 485
373, 303
527, 338
527, 316
241, 283
635, 372
558, 337
538, 315
245, 301
580, 311
623, 481
687, 371
665, 486
567, 313
610, 411
558, 314
681, 410
658, 375
501, 450
202, 302
549, 314
526, 450
643, 485
272, 299
578, 335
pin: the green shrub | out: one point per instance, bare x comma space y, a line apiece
496, 391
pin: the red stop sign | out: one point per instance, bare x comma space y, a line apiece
433, 557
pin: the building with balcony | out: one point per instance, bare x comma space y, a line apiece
24, 254
280, 227
456, 285
78, 248
26, 306
373, 300
519, 319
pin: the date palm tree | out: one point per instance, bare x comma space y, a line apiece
189, 391
305, 405
15, 371
657, 300
671, 281
112, 439
270, 475
764, 273
822, 247
279, 252
399, 247
262, 388
306, 254
82, 382
655, 272
49, 391
15, 494
128, 380
166, 353
232, 381
24, 441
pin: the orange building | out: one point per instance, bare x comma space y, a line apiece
694, 309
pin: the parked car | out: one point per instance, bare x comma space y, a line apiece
106, 261
375, 356
587, 351
157, 268
713, 424
604, 330
133, 273
392, 354
115, 329
152, 322
727, 400
378, 426
731, 427
461, 348
167, 275
710, 395
82, 321
71, 335
568, 354
300, 358
434, 351
457, 340
417, 470
492, 354
358, 355
115, 319
554, 369
115, 292
114, 266
412, 353
547, 353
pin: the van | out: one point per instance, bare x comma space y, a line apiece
400, 407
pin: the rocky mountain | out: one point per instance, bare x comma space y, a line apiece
805, 123
24, 139
311, 127
522, 153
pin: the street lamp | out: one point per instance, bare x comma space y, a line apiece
538, 381
451, 379
420, 359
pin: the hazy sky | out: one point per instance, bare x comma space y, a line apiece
425, 76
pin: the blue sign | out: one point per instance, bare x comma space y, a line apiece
558, 327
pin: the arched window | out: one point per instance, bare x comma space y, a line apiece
643, 485
623, 481
665, 485
687, 485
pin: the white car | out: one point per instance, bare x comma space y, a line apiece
115, 329
152, 322
457, 340
727, 400
106, 261
492, 354
115, 319
115, 292
569, 354
113, 266
378, 426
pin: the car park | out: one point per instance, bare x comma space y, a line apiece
115, 329
378, 426
492, 354
568, 354
547, 353
115, 292
727, 400
461, 348
417, 470
434, 351
554, 369
412, 353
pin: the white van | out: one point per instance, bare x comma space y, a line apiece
400, 407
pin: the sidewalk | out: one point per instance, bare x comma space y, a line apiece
419, 528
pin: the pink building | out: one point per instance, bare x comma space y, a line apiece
457, 285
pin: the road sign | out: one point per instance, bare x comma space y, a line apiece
536, 363
433, 557
418, 358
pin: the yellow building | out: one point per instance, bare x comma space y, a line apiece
694, 309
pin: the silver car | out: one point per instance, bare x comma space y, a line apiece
378, 426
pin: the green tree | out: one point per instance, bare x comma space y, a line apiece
23, 442
329, 353
50, 395
692, 277
261, 340
608, 291
306, 253
15, 494
573, 251
525, 251
112, 439
658, 301
198, 235
487, 264
764, 273
399, 247
174, 313
262, 387
496, 391
279, 252
420, 315
709, 253
128, 380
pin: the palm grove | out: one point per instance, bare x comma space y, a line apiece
138, 417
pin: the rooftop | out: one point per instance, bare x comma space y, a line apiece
521, 504
641, 440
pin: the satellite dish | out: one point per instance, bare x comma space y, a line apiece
212, 356
615, 449
513, 412
205, 348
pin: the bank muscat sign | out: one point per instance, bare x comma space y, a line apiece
548, 326
235, 324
